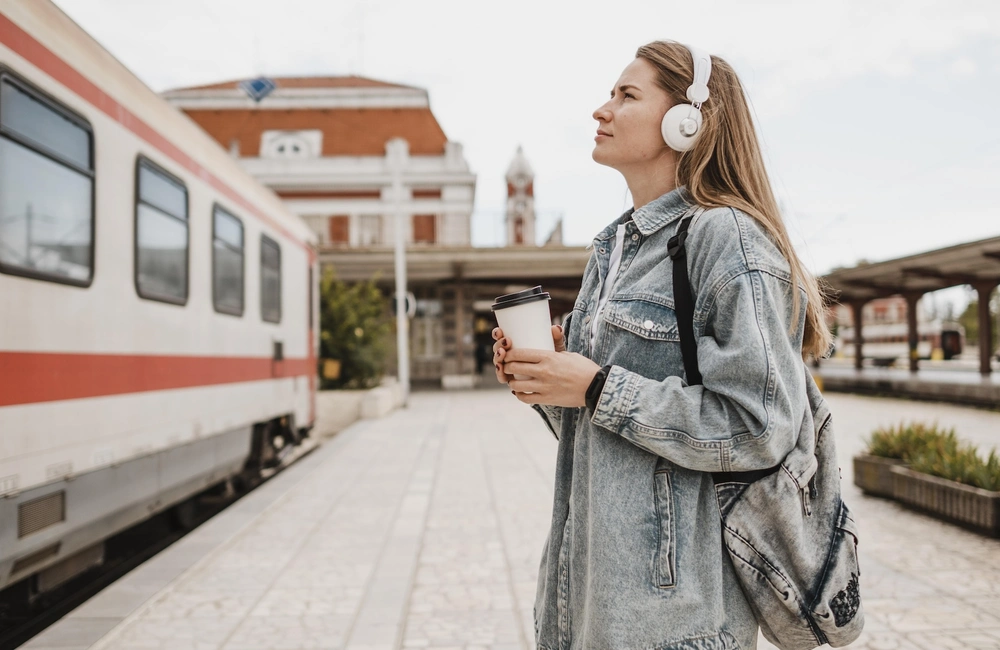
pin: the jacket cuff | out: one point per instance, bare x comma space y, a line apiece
551, 419
615, 402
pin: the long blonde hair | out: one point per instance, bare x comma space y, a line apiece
725, 169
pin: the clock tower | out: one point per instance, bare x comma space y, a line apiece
520, 202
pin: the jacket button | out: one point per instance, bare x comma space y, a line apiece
648, 324
603, 250
635, 237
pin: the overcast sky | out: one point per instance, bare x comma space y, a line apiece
878, 117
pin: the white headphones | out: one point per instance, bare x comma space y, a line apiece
682, 123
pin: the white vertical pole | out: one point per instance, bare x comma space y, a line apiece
397, 150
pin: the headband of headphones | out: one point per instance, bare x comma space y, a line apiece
697, 92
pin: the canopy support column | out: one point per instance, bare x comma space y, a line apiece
984, 290
913, 336
857, 307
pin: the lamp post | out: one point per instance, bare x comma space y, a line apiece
397, 151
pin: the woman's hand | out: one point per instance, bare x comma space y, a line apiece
502, 345
557, 378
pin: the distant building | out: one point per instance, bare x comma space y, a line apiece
520, 217
322, 144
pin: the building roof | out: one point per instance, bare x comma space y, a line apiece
302, 82
346, 131
970, 263
526, 263
356, 115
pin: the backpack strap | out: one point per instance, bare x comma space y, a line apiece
684, 307
684, 301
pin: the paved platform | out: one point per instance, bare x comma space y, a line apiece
424, 530
957, 384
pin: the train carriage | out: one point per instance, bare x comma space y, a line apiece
157, 304
887, 342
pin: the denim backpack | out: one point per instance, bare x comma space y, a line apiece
789, 534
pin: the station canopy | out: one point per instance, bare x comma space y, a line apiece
976, 263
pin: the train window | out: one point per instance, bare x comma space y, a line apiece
227, 263
161, 235
270, 280
46, 188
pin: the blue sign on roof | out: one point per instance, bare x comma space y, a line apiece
259, 88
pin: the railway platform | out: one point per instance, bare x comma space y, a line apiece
956, 385
424, 530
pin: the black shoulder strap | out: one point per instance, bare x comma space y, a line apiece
684, 306
684, 301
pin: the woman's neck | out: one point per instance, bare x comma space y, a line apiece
651, 181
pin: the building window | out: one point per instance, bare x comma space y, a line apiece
227, 263
161, 235
424, 229
427, 330
370, 231
291, 144
340, 230
46, 188
270, 280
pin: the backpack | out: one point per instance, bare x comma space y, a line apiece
789, 534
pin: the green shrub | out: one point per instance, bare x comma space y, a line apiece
354, 329
963, 465
938, 452
906, 440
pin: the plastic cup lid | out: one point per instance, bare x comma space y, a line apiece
520, 298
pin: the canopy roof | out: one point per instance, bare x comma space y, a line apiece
972, 263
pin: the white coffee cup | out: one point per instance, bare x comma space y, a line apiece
525, 320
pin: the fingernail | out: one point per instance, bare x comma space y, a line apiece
560, 328
503, 342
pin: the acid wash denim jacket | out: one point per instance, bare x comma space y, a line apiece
634, 558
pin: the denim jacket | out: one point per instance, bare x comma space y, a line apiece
634, 558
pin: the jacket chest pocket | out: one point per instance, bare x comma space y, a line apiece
646, 319
643, 337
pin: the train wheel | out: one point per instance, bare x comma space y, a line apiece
184, 515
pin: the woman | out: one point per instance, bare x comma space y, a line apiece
634, 558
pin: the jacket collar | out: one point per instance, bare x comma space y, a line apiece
653, 216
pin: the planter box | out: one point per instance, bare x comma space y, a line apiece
961, 504
873, 474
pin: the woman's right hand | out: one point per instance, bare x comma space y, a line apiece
502, 345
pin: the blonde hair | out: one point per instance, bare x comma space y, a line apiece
725, 169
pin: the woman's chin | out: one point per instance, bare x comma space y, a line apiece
600, 157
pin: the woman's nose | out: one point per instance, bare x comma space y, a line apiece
602, 113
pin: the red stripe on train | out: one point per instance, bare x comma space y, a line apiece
33, 377
48, 62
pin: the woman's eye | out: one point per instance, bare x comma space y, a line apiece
629, 95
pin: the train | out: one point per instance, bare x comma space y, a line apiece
886, 342
158, 306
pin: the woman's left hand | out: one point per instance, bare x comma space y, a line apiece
557, 378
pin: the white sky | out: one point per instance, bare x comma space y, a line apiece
878, 117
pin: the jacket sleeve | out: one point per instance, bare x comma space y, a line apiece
552, 415
747, 414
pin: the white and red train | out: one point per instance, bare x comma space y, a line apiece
157, 305
890, 341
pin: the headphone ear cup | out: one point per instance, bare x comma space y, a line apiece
673, 122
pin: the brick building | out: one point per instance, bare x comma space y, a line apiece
322, 144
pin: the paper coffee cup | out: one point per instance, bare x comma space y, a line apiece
525, 320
